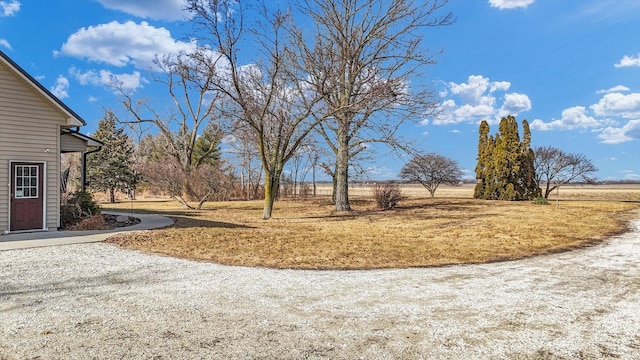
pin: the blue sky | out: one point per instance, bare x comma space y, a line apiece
570, 67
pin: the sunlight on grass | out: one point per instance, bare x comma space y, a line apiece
306, 234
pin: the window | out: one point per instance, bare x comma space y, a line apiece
26, 182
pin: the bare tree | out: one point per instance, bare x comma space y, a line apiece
159, 168
555, 168
248, 163
361, 59
188, 85
431, 170
207, 182
302, 163
264, 92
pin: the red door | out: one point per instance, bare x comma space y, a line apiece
26, 196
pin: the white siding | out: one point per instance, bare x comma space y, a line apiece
29, 131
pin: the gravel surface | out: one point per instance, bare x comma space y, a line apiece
99, 301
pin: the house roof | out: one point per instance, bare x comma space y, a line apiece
90, 141
73, 118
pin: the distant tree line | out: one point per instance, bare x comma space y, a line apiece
507, 168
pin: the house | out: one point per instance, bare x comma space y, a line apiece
35, 129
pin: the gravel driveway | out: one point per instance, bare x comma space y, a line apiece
99, 301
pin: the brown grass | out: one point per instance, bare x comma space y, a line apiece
422, 232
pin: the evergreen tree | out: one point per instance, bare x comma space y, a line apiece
505, 164
110, 169
507, 158
491, 178
206, 149
528, 186
483, 156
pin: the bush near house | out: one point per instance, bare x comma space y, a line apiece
75, 207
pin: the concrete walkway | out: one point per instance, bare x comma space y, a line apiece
53, 238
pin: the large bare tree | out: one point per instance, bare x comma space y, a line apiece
555, 168
264, 92
363, 58
181, 121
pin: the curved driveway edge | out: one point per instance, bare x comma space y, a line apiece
53, 238
100, 301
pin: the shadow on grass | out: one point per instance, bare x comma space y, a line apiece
463, 206
183, 222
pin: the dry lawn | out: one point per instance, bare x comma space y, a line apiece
455, 229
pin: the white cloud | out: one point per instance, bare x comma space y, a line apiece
471, 91
127, 81
153, 9
61, 88
617, 104
107, 79
629, 132
5, 43
572, 118
9, 8
618, 88
515, 103
603, 119
633, 177
121, 44
475, 100
627, 61
510, 4
379, 173
467, 111
500, 85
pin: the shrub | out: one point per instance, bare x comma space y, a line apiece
387, 195
95, 222
75, 207
539, 200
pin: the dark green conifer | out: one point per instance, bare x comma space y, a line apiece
483, 154
505, 164
110, 169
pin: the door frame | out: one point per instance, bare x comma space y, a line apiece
43, 192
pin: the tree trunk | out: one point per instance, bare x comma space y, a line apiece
112, 195
341, 176
314, 181
184, 203
187, 192
271, 184
334, 185
547, 192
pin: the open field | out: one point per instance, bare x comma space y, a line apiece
622, 192
306, 234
